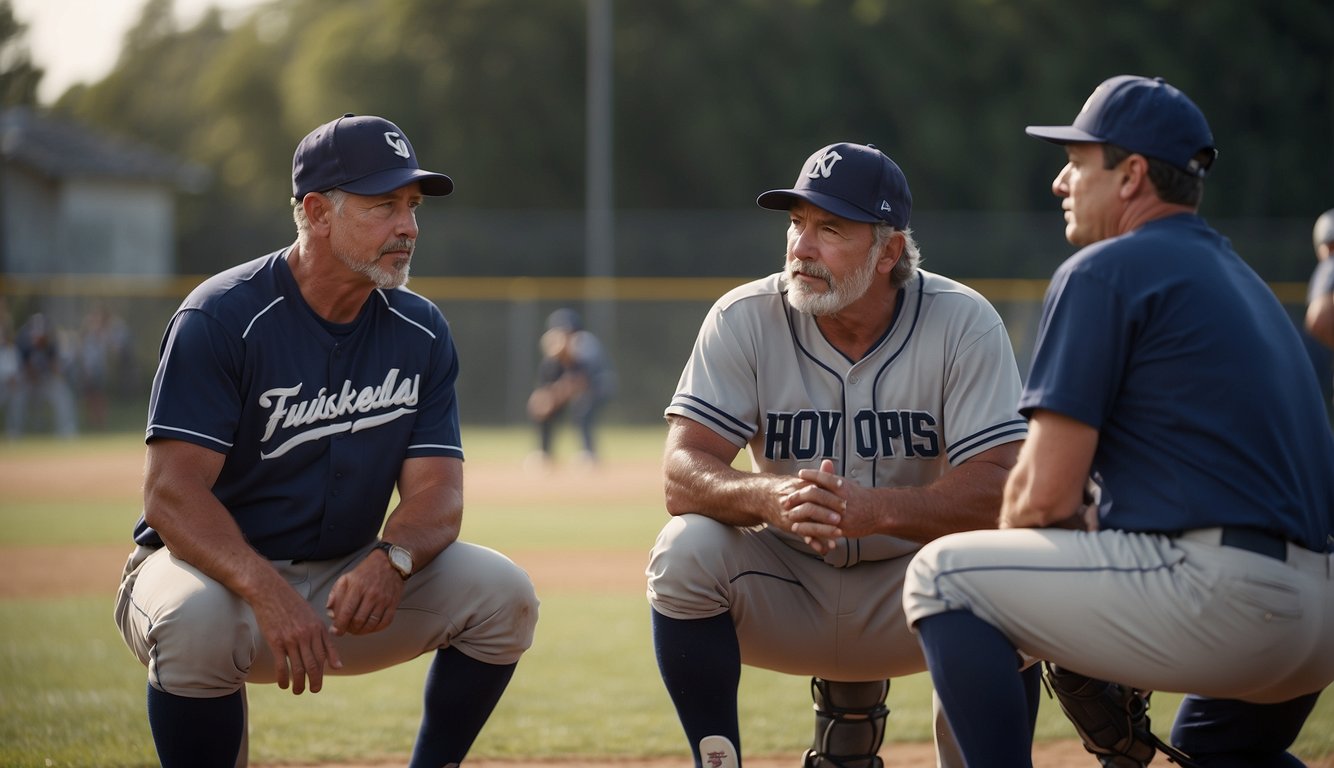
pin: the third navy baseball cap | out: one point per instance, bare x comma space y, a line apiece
855, 181
1144, 115
362, 154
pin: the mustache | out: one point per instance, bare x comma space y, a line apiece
404, 244
809, 269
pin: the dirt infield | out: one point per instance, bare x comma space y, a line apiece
43, 572
1060, 754
1049, 754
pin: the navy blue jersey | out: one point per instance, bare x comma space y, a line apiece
1180, 355
315, 418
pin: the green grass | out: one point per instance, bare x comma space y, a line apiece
72, 695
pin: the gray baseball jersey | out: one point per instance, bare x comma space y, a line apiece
939, 388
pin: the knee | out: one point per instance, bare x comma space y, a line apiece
513, 600
502, 625
209, 622
687, 570
519, 599
691, 542
689, 545
207, 642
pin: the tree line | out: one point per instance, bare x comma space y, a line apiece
713, 101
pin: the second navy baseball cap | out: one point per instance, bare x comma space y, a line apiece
855, 181
362, 154
1144, 115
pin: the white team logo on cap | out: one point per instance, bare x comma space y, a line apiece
400, 146
822, 165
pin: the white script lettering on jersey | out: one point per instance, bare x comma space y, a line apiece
326, 407
811, 434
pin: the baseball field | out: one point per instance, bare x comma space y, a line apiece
587, 694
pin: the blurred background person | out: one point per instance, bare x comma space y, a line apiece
575, 376
100, 350
9, 356
41, 373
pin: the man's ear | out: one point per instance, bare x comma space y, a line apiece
890, 253
1135, 176
319, 211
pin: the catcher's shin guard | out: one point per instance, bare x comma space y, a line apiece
849, 724
1111, 719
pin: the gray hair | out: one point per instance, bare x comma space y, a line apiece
336, 197
906, 268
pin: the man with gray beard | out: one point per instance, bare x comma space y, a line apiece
877, 402
295, 393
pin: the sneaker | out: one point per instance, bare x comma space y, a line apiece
718, 752
537, 463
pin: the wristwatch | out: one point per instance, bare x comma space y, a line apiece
399, 557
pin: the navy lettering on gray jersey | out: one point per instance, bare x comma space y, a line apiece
910, 434
804, 435
810, 434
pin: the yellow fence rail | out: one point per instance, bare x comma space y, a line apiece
511, 288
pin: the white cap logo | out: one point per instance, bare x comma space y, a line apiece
822, 166
399, 145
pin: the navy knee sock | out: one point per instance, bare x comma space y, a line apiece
700, 663
1226, 733
1032, 678
203, 733
461, 693
975, 671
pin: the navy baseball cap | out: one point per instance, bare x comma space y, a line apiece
565, 319
855, 181
364, 155
1144, 115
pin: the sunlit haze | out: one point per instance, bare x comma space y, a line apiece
77, 41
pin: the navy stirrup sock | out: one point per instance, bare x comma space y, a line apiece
461, 693
700, 662
975, 672
1032, 678
196, 733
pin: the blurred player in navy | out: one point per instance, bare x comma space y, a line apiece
294, 394
574, 377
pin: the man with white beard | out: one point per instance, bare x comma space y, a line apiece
877, 402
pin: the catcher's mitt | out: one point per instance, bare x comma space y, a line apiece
1112, 720
542, 403
546, 400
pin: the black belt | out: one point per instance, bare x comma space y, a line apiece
1257, 541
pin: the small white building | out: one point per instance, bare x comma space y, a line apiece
74, 201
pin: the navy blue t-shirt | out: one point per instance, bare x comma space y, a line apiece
315, 418
1178, 353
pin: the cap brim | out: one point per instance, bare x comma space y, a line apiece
1062, 134
434, 184
781, 200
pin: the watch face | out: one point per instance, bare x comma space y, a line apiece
401, 559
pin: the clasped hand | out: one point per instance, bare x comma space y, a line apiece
816, 507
